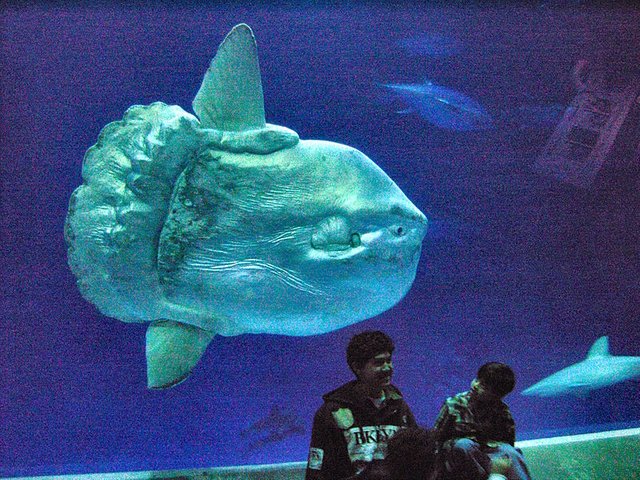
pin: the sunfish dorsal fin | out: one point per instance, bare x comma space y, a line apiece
230, 98
600, 348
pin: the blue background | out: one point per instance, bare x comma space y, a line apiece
516, 267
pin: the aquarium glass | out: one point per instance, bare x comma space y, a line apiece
457, 103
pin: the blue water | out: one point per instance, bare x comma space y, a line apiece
517, 267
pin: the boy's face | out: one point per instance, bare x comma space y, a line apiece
481, 391
377, 372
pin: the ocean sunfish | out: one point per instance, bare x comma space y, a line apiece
221, 223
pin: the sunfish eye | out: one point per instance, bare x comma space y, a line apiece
398, 230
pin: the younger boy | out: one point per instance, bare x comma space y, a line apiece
476, 426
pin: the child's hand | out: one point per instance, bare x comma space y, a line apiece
501, 465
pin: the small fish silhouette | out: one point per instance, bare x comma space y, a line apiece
431, 45
275, 427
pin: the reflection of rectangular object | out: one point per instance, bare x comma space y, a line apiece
584, 137
580, 144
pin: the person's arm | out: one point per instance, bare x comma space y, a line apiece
321, 463
443, 425
411, 420
511, 429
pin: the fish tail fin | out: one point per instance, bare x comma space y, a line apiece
173, 350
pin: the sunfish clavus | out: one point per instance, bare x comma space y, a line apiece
221, 223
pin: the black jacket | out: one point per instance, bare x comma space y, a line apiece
349, 431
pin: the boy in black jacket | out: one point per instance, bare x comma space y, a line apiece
352, 427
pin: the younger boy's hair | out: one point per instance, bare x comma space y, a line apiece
499, 377
366, 345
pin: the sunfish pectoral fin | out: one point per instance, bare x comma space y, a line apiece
173, 349
230, 98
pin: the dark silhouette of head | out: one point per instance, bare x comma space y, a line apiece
498, 377
411, 454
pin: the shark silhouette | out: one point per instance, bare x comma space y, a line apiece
442, 106
600, 369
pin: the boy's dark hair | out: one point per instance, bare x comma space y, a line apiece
366, 345
411, 454
498, 377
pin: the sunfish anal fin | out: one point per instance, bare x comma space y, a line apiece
173, 349
230, 98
